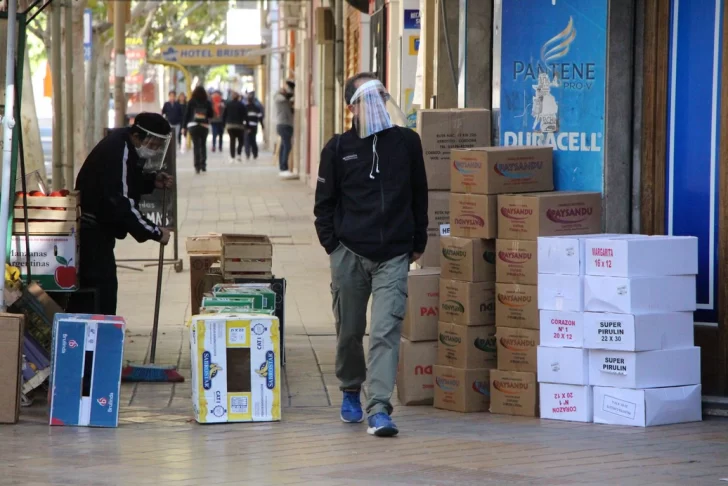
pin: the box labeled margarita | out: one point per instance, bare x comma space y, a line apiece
236, 368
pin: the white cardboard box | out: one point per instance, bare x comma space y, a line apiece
565, 254
638, 295
642, 257
566, 402
560, 292
569, 366
644, 369
561, 329
644, 408
638, 332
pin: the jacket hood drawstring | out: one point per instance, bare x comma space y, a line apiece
375, 159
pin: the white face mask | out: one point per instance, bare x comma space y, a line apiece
145, 152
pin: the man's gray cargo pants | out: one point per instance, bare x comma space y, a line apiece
353, 280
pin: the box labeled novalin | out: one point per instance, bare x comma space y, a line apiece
473, 216
414, 372
572, 403
498, 170
528, 216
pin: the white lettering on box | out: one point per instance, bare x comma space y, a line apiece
620, 407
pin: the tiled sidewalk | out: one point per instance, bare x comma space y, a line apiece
158, 443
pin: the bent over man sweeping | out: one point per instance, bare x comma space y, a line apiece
371, 218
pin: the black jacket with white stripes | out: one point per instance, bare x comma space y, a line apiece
111, 182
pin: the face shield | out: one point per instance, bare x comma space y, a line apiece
375, 110
153, 150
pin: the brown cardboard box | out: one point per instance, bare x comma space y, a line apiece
516, 261
461, 390
438, 213
447, 129
211, 243
423, 305
528, 216
499, 170
516, 305
467, 259
200, 265
467, 303
466, 346
517, 349
11, 355
414, 372
513, 393
473, 216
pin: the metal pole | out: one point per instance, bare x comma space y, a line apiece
68, 178
56, 73
8, 125
158, 297
119, 65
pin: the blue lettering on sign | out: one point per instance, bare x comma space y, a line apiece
411, 19
206, 378
270, 381
693, 142
417, 45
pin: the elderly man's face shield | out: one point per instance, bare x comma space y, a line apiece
153, 150
375, 110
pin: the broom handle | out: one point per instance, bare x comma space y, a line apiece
158, 298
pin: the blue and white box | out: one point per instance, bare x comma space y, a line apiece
86, 364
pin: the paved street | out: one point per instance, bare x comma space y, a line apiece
158, 443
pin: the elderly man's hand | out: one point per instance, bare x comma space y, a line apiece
415, 257
163, 181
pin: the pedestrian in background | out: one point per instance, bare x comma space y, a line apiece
284, 126
371, 218
182, 135
234, 118
173, 112
255, 113
218, 106
197, 121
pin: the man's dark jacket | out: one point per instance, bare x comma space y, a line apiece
378, 218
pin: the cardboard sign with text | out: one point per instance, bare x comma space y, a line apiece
414, 372
423, 305
473, 216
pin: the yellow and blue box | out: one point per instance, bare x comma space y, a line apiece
236, 368
87, 354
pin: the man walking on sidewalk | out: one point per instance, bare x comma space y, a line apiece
371, 218
284, 126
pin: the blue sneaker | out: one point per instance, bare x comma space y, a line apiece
381, 425
351, 412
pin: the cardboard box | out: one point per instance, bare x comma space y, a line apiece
470, 260
461, 390
565, 254
569, 366
447, 129
200, 284
499, 170
562, 329
516, 262
528, 216
640, 332
516, 305
87, 356
246, 256
517, 349
423, 305
467, 303
473, 216
236, 368
11, 358
244, 298
645, 369
642, 257
513, 393
466, 346
54, 260
645, 408
438, 213
414, 372
639, 295
211, 243
571, 403
560, 292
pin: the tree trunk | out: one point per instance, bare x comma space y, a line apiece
102, 62
79, 88
91, 74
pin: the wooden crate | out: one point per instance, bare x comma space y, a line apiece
45, 227
238, 265
246, 247
47, 215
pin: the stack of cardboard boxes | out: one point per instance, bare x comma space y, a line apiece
442, 130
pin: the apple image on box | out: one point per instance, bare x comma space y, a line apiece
66, 275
